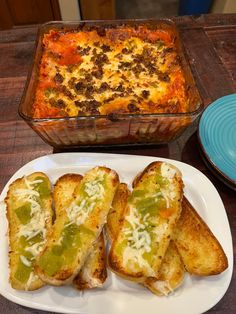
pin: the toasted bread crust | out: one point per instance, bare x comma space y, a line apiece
116, 213
64, 189
14, 224
201, 252
116, 260
93, 224
94, 272
171, 274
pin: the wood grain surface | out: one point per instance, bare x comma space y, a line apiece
210, 45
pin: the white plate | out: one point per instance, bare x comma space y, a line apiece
196, 295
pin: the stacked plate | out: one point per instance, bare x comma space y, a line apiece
217, 137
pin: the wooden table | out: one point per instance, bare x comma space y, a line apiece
210, 43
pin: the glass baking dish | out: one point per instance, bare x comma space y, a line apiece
116, 129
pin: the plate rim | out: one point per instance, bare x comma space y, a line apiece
220, 176
31, 304
206, 154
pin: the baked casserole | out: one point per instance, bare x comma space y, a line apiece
117, 82
108, 71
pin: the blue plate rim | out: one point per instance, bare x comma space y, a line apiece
214, 166
217, 174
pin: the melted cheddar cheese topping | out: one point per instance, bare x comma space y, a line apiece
103, 71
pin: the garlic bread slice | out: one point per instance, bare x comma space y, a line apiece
149, 219
78, 227
200, 251
93, 273
29, 214
171, 273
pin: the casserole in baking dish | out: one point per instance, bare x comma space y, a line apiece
119, 82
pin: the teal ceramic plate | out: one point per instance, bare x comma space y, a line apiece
217, 136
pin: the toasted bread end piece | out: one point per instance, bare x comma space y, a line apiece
94, 272
171, 273
201, 252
